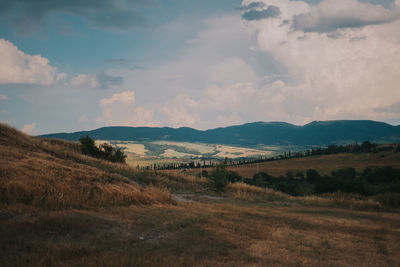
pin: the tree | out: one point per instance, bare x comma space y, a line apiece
219, 176
312, 176
105, 151
263, 179
289, 175
120, 156
88, 146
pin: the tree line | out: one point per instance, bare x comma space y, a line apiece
382, 183
364, 147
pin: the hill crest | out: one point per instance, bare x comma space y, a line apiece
251, 134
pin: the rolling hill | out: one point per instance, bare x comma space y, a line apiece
59, 207
253, 134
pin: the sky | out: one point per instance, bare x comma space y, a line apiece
71, 65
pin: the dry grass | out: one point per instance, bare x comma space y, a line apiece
343, 200
249, 192
52, 174
244, 191
200, 234
323, 164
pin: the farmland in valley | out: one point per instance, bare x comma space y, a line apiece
167, 152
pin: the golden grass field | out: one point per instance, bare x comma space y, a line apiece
61, 208
324, 164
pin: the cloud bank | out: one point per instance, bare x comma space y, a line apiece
16, 67
120, 109
272, 70
253, 14
29, 16
330, 15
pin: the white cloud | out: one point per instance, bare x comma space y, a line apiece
330, 15
231, 71
29, 128
348, 76
85, 80
3, 97
235, 71
238, 103
127, 98
121, 109
219, 56
16, 67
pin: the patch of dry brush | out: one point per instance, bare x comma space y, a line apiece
250, 192
244, 191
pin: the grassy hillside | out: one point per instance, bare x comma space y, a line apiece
53, 174
60, 208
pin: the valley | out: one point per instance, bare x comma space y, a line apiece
167, 152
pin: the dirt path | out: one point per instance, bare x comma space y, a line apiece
197, 198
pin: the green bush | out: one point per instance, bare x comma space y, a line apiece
391, 200
219, 176
371, 182
105, 151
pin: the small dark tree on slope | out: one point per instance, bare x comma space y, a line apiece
219, 176
120, 156
105, 151
88, 146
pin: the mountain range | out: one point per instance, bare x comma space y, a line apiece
253, 134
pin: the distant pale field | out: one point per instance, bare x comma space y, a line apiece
239, 152
201, 148
138, 149
100, 142
220, 151
170, 153
145, 154
135, 160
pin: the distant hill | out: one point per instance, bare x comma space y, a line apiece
252, 134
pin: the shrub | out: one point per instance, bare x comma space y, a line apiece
88, 146
390, 200
219, 176
299, 175
204, 173
105, 151
312, 176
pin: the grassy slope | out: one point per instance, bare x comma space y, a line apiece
52, 174
250, 226
202, 234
